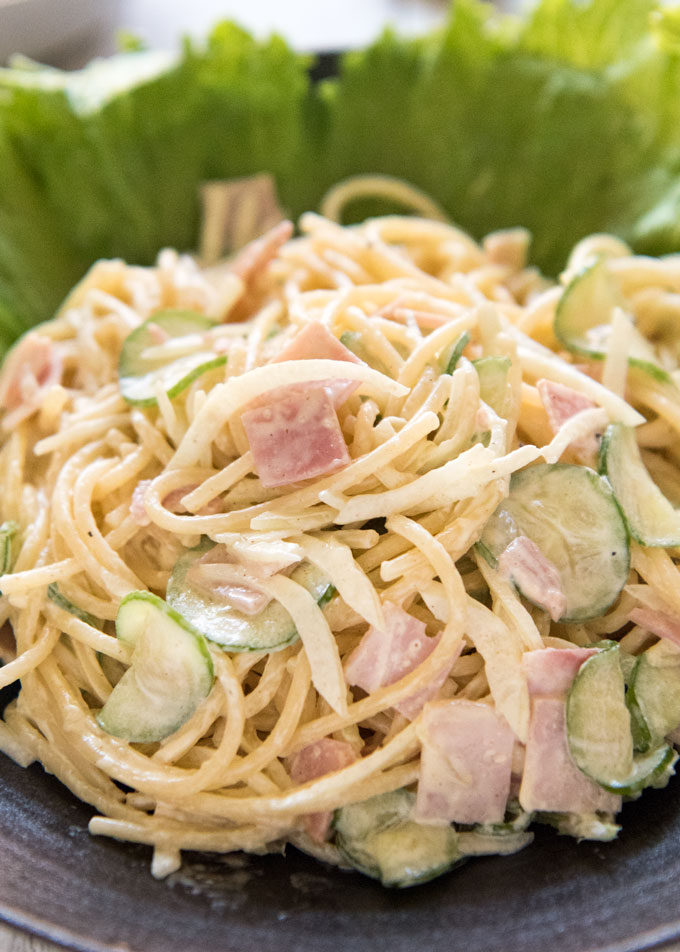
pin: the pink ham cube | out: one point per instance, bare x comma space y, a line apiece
295, 437
466, 763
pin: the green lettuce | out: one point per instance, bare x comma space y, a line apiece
566, 121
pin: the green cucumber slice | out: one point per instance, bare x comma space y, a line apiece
571, 514
269, 630
8, 531
654, 695
583, 316
652, 769
493, 382
59, 599
598, 721
457, 352
476, 843
354, 341
516, 820
599, 731
379, 838
652, 519
582, 826
189, 356
170, 674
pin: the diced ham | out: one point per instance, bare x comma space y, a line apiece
157, 333
550, 671
661, 624
31, 368
466, 763
231, 584
137, 507
338, 391
233, 578
383, 657
255, 257
323, 757
296, 437
561, 403
551, 780
315, 342
524, 563
173, 502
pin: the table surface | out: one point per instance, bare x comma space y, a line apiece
161, 23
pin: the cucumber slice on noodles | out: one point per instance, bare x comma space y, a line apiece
58, 598
598, 721
457, 352
652, 519
8, 531
270, 629
654, 693
493, 382
180, 356
599, 730
379, 838
571, 514
583, 319
170, 674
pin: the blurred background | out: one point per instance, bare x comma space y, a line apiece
68, 33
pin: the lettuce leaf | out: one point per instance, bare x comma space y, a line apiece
108, 161
566, 121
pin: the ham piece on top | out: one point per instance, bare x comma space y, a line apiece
383, 657
551, 780
524, 563
293, 431
660, 623
561, 403
296, 437
466, 763
323, 757
32, 366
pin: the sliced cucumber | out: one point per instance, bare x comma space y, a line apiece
653, 769
583, 319
516, 820
598, 721
475, 843
354, 342
506, 837
652, 519
188, 356
571, 514
270, 629
62, 601
582, 826
170, 674
493, 382
8, 531
654, 695
457, 352
379, 838
599, 730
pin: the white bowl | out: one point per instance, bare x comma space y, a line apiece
45, 29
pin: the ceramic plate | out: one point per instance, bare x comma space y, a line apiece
555, 896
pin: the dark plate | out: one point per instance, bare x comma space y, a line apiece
556, 896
